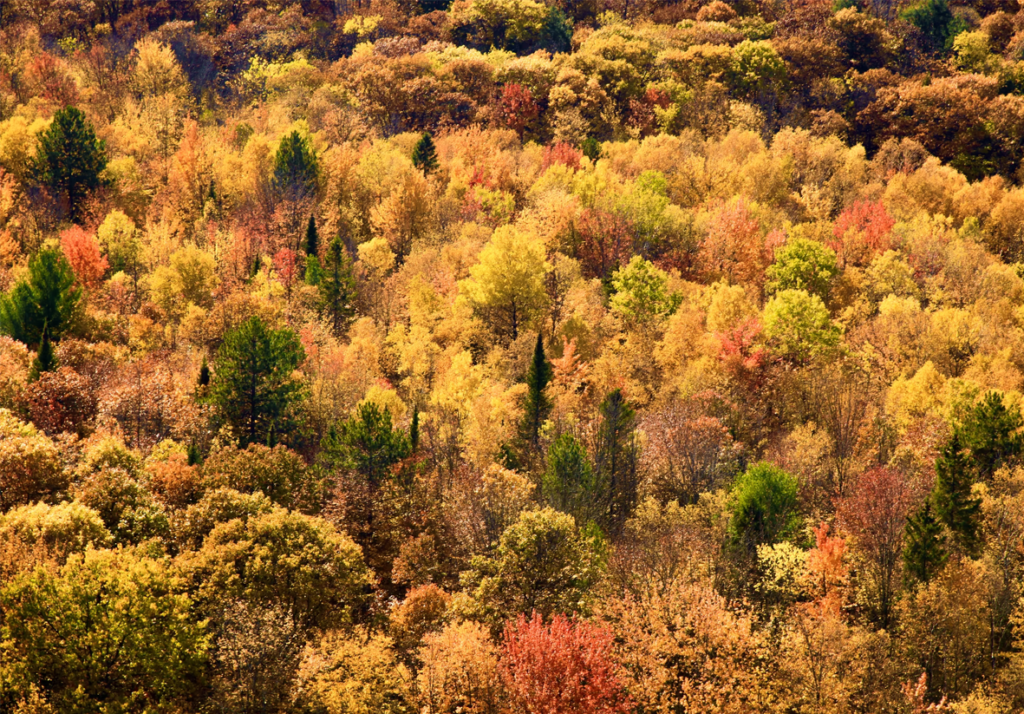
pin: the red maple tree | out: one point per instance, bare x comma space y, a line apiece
561, 668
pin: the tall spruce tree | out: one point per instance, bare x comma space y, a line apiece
337, 286
424, 155
312, 240
69, 159
46, 300
296, 169
924, 551
536, 405
957, 508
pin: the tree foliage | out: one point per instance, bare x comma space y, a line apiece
296, 167
47, 300
253, 385
763, 506
506, 286
281, 558
541, 563
424, 154
536, 405
110, 628
69, 159
561, 667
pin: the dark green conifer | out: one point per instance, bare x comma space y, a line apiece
253, 385
337, 286
46, 298
69, 159
569, 484
312, 237
296, 169
46, 358
616, 461
924, 551
992, 433
536, 406
957, 508
424, 155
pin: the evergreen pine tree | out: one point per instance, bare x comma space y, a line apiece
568, 484
312, 238
47, 298
424, 155
69, 159
367, 444
991, 432
536, 404
337, 286
924, 552
46, 358
252, 386
296, 169
955, 505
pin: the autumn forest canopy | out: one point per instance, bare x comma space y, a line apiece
511, 357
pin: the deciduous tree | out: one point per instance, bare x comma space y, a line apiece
764, 506
506, 287
562, 667
110, 629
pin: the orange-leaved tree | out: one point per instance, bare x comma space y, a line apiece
562, 667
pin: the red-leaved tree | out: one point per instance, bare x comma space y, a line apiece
562, 153
518, 107
862, 231
875, 513
83, 253
561, 668
286, 266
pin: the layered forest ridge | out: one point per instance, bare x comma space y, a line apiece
511, 357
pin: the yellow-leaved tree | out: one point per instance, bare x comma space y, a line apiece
506, 287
